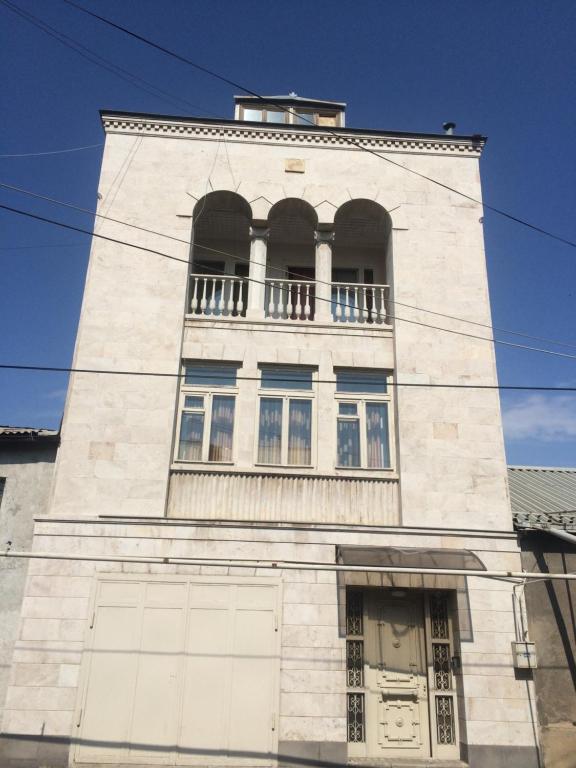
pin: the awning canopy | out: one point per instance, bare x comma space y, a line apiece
406, 557
409, 557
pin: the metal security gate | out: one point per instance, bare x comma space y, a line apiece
181, 672
401, 695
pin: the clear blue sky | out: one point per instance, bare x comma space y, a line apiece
504, 68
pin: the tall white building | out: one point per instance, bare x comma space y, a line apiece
294, 426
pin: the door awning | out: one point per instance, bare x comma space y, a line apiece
409, 557
406, 557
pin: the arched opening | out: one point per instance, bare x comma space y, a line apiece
290, 274
362, 230
220, 255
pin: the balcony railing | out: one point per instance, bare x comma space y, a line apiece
359, 303
218, 296
290, 299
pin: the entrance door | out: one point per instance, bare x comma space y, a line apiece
397, 688
395, 671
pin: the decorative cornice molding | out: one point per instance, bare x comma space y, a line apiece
174, 128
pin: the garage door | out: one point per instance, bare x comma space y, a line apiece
182, 672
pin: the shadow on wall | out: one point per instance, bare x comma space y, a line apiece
23, 747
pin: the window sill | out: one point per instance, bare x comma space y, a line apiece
364, 469
283, 466
264, 470
295, 325
182, 463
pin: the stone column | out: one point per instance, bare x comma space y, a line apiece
257, 272
324, 240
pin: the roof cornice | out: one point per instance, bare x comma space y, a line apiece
262, 133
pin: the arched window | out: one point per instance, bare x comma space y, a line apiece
220, 254
362, 231
290, 281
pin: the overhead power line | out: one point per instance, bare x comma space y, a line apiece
95, 58
53, 152
271, 266
342, 136
390, 383
491, 340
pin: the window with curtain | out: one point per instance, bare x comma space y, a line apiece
206, 421
362, 422
285, 416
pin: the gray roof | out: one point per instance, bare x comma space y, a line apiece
543, 497
24, 432
291, 97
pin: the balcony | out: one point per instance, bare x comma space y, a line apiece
290, 267
360, 303
218, 296
289, 300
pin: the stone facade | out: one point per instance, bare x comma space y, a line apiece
26, 467
122, 492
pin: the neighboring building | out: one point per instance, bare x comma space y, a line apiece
544, 500
27, 458
274, 446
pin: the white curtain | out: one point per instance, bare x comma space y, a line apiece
348, 443
270, 431
300, 432
377, 435
222, 428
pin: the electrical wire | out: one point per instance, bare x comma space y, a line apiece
343, 137
95, 58
36, 247
501, 342
224, 378
53, 152
271, 266
50, 30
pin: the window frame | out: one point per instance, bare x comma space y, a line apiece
361, 400
286, 395
208, 392
314, 116
264, 114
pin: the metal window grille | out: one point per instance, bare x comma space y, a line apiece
354, 611
355, 717
439, 617
445, 720
355, 663
441, 664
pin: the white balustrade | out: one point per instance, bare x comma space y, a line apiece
359, 303
217, 296
289, 299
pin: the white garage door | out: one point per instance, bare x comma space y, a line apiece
182, 672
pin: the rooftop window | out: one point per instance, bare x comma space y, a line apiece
291, 110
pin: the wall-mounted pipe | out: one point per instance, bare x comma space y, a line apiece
562, 534
293, 565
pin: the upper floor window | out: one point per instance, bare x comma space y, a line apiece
206, 418
290, 115
285, 422
363, 402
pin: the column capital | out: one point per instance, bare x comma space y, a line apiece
259, 233
324, 236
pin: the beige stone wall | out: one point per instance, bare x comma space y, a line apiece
27, 470
118, 431
43, 697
